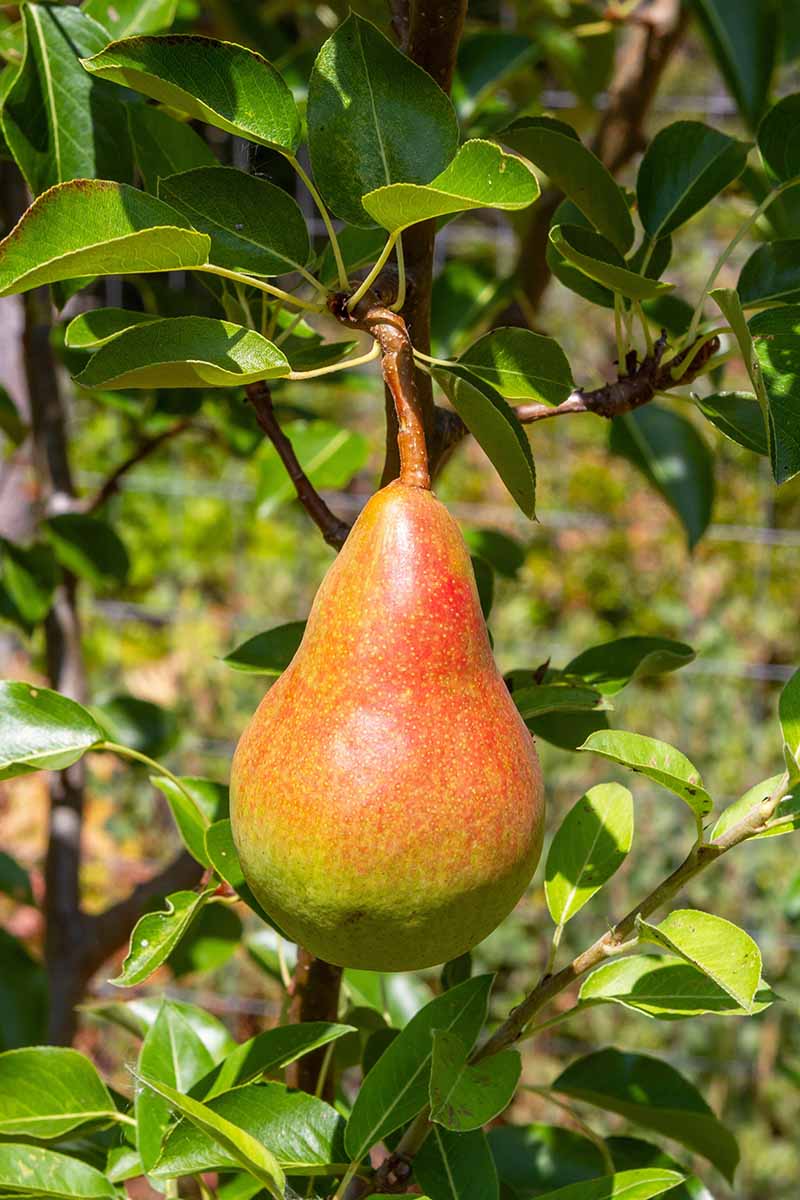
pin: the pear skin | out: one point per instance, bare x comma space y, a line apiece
386, 797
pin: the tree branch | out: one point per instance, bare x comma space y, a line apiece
700, 857
108, 930
332, 529
632, 390
112, 484
315, 997
434, 33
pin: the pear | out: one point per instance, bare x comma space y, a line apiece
386, 797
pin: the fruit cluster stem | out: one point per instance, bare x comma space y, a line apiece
397, 364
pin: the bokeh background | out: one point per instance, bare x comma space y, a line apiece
220, 552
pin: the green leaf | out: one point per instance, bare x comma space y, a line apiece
268, 653
743, 37
225, 85
221, 853
729, 304
11, 423
42, 731
396, 1088
629, 1154
304, 1134
521, 365
485, 59
654, 1095
90, 548
209, 804
303, 355
15, 881
267, 1053
610, 666
95, 227
464, 1097
329, 454
173, 1052
23, 995
92, 329
598, 258
456, 1166
374, 118
686, 165
778, 138
244, 1150
674, 458
788, 811
179, 352
503, 553
771, 274
738, 416
137, 1015
254, 226
138, 724
484, 582
122, 18
789, 715
557, 697
556, 149
48, 1091
212, 940
359, 247
492, 423
777, 348
156, 935
568, 275
664, 986
532, 1159
29, 575
480, 176
656, 760
58, 123
716, 947
163, 146
589, 847
625, 1185
35, 1171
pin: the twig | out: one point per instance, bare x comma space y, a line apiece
514, 1027
631, 390
332, 529
149, 446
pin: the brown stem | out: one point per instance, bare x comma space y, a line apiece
511, 1030
315, 997
397, 364
332, 529
631, 390
434, 33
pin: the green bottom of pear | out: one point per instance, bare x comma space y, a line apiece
386, 797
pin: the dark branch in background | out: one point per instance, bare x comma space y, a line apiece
400, 21
315, 997
631, 390
332, 529
647, 50
434, 33
143, 450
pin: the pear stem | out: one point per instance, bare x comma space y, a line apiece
397, 364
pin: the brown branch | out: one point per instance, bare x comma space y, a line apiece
434, 34
397, 364
106, 931
114, 481
640, 66
700, 857
332, 529
400, 21
632, 390
315, 997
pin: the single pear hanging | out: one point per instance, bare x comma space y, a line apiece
386, 797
